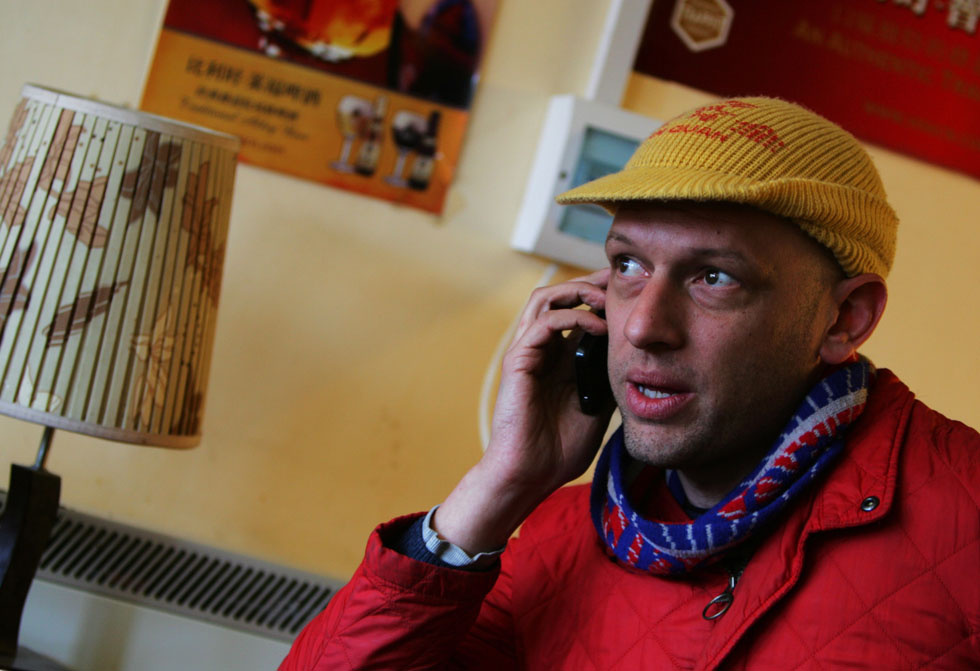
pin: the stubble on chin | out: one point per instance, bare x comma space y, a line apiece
722, 444
654, 446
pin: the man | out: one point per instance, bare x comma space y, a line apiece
772, 501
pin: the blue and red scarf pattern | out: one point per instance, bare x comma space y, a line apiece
811, 441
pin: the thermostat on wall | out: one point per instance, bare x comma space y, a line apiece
581, 140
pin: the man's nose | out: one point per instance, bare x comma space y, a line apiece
656, 316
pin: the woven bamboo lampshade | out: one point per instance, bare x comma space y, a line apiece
112, 235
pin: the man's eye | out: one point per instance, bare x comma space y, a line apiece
627, 267
718, 278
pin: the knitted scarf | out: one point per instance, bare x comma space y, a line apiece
811, 441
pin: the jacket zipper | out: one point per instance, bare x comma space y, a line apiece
719, 605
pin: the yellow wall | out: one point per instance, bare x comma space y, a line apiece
354, 336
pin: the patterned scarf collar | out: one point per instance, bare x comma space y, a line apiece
811, 441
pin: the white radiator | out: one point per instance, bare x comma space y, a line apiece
88, 632
109, 597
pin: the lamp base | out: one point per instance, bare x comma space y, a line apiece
25, 526
28, 660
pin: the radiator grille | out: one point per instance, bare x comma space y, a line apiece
138, 566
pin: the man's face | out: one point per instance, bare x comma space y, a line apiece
716, 314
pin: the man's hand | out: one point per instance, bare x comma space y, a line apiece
540, 439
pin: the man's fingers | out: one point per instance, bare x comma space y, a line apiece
544, 331
600, 278
563, 296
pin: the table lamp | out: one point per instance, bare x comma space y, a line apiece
113, 225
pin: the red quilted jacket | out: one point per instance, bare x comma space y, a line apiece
878, 568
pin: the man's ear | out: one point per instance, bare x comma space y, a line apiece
860, 303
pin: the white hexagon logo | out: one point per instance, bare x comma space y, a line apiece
702, 24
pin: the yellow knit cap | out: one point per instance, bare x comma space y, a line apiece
771, 154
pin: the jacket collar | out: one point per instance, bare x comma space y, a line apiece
859, 490
861, 487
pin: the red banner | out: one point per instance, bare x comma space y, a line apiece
902, 74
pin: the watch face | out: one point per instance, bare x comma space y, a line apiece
602, 153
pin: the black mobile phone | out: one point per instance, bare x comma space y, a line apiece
592, 373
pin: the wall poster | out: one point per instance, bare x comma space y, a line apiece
902, 74
366, 95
